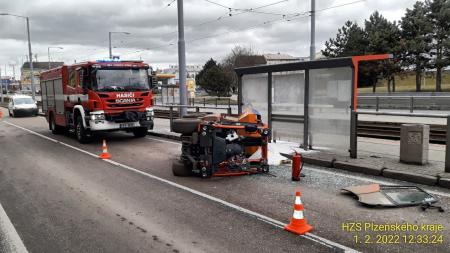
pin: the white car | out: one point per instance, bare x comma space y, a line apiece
22, 105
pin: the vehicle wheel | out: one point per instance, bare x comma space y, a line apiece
140, 132
180, 170
55, 128
185, 125
80, 132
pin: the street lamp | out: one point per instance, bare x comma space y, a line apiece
33, 88
110, 47
48, 51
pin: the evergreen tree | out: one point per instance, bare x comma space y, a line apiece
383, 37
416, 40
213, 79
439, 17
350, 40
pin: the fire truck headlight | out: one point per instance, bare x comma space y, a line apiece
100, 116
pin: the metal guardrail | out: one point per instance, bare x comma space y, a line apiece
197, 110
412, 99
354, 130
422, 115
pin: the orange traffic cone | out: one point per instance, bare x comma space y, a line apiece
104, 154
298, 223
1, 114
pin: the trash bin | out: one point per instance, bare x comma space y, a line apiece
414, 140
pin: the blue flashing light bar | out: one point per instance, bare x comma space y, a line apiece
114, 59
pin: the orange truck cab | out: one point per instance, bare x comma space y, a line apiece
94, 96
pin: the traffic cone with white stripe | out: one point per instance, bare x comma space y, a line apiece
104, 154
298, 223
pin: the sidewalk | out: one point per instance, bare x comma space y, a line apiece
377, 157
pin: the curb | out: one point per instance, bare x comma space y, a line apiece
324, 162
380, 171
410, 177
370, 170
444, 182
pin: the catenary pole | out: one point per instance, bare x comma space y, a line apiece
181, 59
312, 51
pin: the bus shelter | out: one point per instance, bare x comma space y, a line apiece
307, 102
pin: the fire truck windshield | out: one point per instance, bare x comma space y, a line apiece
121, 80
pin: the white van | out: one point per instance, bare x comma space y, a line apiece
22, 105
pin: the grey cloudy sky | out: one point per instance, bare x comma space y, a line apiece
81, 27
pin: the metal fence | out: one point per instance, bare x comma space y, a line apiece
411, 102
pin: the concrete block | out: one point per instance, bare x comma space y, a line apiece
444, 182
410, 177
414, 142
354, 167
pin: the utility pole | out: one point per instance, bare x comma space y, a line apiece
13, 79
1, 86
33, 87
181, 60
110, 46
110, 43
14, 70
312, 49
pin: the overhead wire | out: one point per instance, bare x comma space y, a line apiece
284, 17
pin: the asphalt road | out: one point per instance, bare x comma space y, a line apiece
60, 198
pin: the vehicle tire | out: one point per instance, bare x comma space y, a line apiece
180, 170
53, 127
140, 132
185, 125
80, 132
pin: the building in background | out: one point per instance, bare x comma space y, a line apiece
38, 67
280, 58
6, 82
191, 70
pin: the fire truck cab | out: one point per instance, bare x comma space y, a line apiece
88, 97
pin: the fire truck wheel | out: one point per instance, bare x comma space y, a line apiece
80, 132
55, 128
180, 170
140, 132
185, 125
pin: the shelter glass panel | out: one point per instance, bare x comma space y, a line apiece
288, 92
255, 94
288, 96
329, 109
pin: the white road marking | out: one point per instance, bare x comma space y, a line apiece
261, 217
12, 239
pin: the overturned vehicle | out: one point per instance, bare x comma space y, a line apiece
220, 145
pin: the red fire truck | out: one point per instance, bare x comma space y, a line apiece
88, 97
